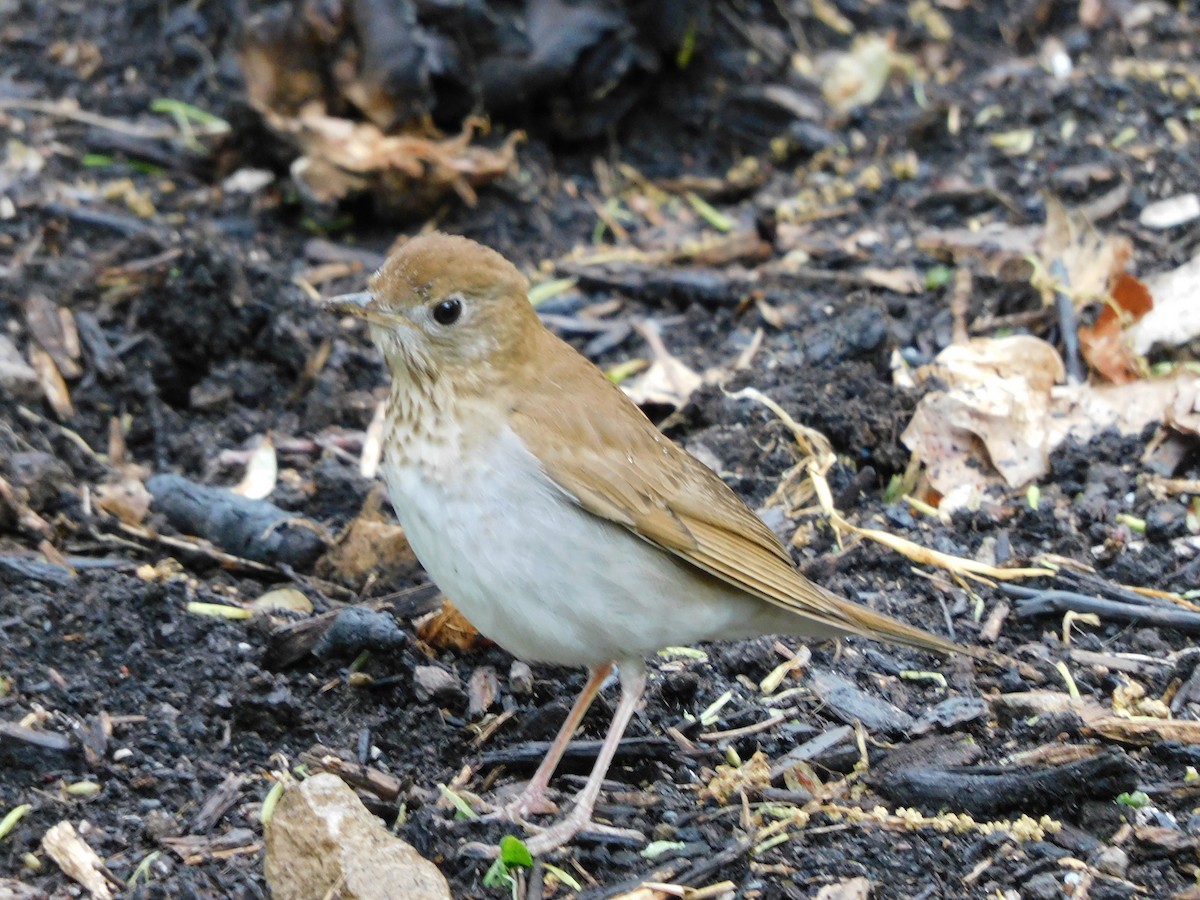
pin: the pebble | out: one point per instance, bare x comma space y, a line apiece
1043, 886
1111, 861
17, 377
322, 842
520, 679
1166, 521
435, 683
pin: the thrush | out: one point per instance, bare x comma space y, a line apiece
562, 523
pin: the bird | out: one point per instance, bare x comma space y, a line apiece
562, 523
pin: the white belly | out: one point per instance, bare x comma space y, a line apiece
550, 582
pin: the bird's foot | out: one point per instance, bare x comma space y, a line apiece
570, 826
519, 808
560, 833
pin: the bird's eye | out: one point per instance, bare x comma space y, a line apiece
447, 311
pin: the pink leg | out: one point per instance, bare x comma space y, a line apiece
633, 685
533, 798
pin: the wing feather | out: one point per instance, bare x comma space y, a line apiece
612, 461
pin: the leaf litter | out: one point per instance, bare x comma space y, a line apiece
819, 280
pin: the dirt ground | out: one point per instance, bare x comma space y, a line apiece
198, 339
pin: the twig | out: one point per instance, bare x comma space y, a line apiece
1056, 602
1068, 324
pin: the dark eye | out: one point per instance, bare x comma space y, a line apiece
447, 311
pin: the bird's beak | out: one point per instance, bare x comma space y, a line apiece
357, 305
361, 305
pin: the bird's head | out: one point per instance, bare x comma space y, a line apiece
444, 306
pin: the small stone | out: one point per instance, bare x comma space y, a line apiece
1166, 521
520, 679
44, 477
482, 690
356, 629
1111, 861
322, 842
1171, 212
1043, 886
435, 683
17, 377
1149, 641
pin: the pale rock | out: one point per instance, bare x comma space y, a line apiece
520, 678
16, 376
435, 683
322, 842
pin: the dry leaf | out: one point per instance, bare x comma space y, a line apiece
857, 78
858, 888
1184, 413
667, 381
286, 599
127, 499
901, 281
1001, 414
1149, 730
447, 628
1104, 343
53, 386
371, 545
261, 471
1175, 318
372, 448
1093, 260
53, 327
483, 688
995, 407
404, 172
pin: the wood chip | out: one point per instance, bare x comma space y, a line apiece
72, 854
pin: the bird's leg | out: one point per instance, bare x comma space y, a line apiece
533, 798
633, 685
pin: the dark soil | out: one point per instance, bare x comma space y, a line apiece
211, 345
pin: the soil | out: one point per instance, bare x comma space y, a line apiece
212, 344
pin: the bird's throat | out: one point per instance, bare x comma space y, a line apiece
436, 426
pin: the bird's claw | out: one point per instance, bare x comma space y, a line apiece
520, 808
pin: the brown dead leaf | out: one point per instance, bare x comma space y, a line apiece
262, 471
1145, 730
1184, 413
857, 77
54, 388
667, 381
284, 599
1000, 413
997, 401
857, 888
53, 327
1093, 260
483, 688
127, 499
1175, 318
406, 172
371, 545
447, 628
901, 281
1104, 344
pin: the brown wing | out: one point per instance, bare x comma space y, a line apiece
611, 460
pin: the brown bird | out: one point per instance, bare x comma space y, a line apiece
563, 524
